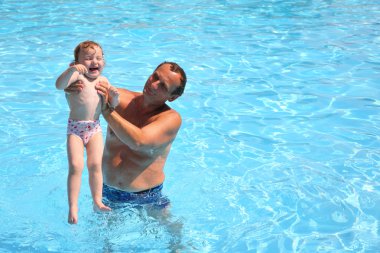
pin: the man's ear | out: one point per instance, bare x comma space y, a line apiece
172, 98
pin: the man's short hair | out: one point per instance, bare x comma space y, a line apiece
177, 69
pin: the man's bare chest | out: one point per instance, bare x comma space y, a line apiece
138, 118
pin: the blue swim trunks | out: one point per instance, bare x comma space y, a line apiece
116, 198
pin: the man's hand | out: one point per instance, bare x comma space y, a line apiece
109, 94
77, 87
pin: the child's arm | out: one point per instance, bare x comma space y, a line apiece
69, 76
113, 93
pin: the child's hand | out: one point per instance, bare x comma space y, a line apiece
80, 68
113, 96
102, 89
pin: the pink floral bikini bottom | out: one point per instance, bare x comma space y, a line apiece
84, 129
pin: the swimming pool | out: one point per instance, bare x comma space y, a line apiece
279, 147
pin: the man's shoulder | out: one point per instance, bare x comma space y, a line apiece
171, 114
125, 97
127, 92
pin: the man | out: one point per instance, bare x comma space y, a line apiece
140, 133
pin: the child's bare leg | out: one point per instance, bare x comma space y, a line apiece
113, 96
94, 164
75, 156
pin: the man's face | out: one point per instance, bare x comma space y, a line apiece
162, 83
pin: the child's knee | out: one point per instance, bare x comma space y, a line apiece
76, 166
94, 166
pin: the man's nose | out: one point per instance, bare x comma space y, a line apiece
155, 84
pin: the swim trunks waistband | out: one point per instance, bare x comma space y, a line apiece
150, 190
154, 189
120, 195
150, 196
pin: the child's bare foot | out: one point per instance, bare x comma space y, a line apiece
114, 96
101, 207
73, 215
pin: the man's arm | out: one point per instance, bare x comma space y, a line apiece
156, 134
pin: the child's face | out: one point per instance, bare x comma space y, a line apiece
92, 59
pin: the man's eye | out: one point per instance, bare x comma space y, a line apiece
162, 86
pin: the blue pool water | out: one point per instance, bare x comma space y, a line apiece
279, 149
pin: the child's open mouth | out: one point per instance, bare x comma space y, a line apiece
93, 69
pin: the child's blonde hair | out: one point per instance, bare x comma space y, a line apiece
85, 45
